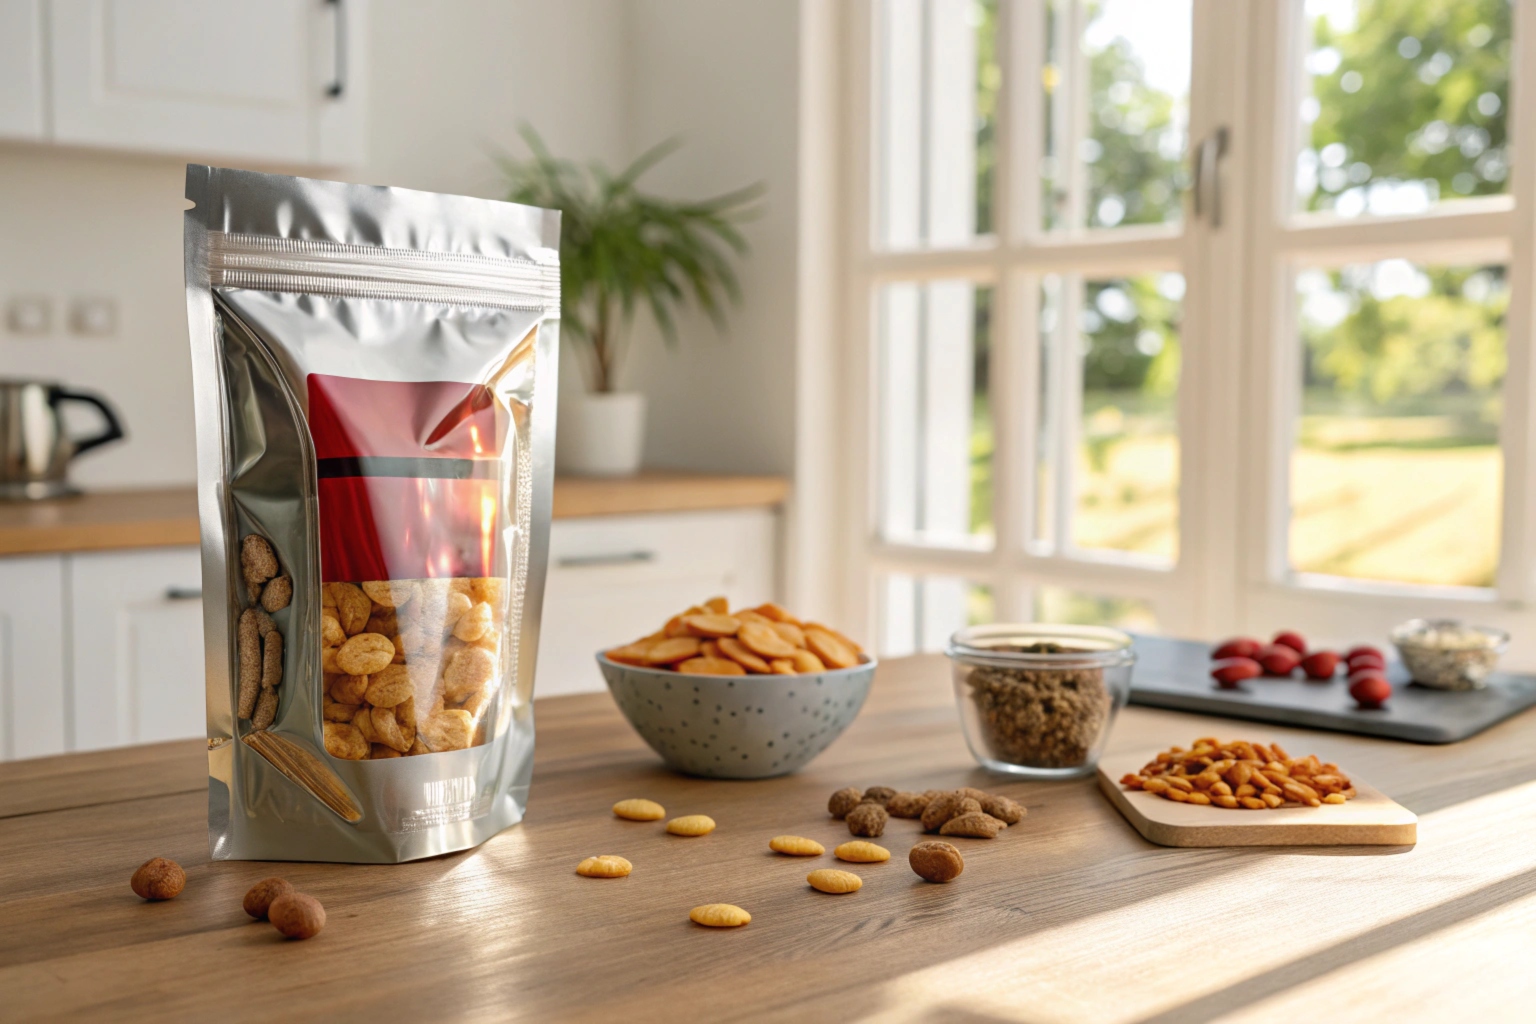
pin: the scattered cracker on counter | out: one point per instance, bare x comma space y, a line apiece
710, 639
1241, 775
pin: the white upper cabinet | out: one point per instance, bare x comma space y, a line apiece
270, 81
21, 69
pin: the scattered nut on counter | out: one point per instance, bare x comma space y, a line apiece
691, 825
258, 900
296, 915
843, 801
639, 810
796, 846
867, 819
834, 881
936, 861
719, 915
857, 851
605, 866
159, 879
1241, 774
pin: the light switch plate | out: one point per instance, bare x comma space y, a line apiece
93, 316
29, 315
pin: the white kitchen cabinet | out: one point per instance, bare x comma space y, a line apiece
274, 81
136, 646
613, 579
21, 69
33, 721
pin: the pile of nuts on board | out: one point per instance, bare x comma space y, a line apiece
1044, 717
411, 666
259, 643
1242, 658
291, 912
969, 813
711, 640
1241, 774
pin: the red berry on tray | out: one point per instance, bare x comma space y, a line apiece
1320, 664
1360, 661
1279, 659
1370, 691
1293, 640
1237, 647
1228, 672
1359, 649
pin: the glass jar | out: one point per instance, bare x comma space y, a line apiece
1038, 700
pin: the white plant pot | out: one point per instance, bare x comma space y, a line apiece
601, 434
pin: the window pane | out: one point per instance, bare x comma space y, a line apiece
920, 613
937, 83
1403, 105
935, 423
1057, 604
1116, 112
1396, 474
1126, 466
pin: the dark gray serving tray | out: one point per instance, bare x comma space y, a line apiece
1176, 674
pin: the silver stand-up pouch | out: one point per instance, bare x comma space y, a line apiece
375, 373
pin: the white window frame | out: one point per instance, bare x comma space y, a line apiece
1238, 326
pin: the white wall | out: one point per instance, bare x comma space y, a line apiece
450, 81
722, 74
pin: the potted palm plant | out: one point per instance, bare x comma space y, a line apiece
623, 251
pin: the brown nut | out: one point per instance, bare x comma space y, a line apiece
296, 915
974, 825
277, 593
867, 820
272, 660
878, 794
347, 689
940, 809
159, 879
249, 645
906, 805
470, 671
1003, 809
257, 562
266, 710
259, 899
935, 861
843, 801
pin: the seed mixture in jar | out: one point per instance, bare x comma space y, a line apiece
1042, 717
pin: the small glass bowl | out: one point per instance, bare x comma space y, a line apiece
1038, 700
1448, 654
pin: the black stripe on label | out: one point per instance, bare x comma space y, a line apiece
389, 465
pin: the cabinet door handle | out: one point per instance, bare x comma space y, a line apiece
339, 81
183, 593
618, 558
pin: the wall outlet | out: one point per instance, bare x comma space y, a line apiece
29, 315
93, 316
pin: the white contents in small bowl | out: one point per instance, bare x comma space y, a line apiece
1448, 654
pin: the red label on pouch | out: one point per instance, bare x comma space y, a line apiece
408, 478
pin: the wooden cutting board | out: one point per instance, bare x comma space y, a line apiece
1370, 819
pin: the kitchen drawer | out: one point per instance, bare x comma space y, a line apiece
613, 579
32, 666
136, 644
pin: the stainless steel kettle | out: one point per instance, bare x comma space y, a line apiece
35, 451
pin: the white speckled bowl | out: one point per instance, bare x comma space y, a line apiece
738, 727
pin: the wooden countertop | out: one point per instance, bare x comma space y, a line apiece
1068, 916
105, 520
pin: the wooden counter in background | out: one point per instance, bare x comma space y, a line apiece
108, 520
